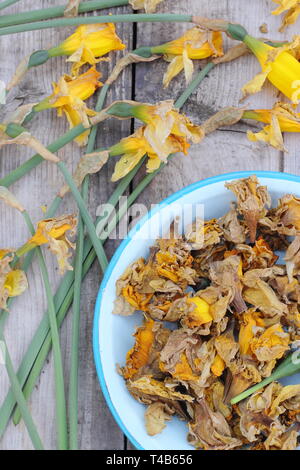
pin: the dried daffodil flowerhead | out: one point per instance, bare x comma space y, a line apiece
88, 44
292, 9
282, 118
68, 98
13, 282
252, 200
279, 66
166, 132
148, 5
194, 44
54, 233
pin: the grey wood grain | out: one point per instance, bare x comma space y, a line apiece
39, 188
221, 152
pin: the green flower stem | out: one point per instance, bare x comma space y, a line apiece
193, 85
288, 367
34, 161
20, 399
61, 410
57, 11
85, 216
131, 18
73, 383
7, 3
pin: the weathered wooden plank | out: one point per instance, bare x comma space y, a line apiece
223, 151
36, 189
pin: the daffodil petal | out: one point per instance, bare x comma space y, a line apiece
16, 283
174, 68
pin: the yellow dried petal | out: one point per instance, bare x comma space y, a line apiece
218, 366
200, 315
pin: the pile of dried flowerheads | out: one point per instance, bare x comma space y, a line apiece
163, 132
237, 314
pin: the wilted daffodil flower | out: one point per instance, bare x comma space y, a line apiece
282, 118
166, 132
292, 9
68, 98
194, 44
87, 44
54, 232
13, 282
279, 66
148, 5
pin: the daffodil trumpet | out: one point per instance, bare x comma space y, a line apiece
87, 45
68, 98
282, 118
279, 65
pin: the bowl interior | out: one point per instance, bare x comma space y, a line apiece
113, 334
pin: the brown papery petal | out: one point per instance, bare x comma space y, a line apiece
89, 164
10, 199
129, 59
71, 9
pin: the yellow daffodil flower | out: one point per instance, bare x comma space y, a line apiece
88, 44
282, 118
68, 98
148, 5
13, 282
194, 44
53, 232
166, 132
279, 66
292, 9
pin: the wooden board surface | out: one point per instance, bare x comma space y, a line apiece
224, 151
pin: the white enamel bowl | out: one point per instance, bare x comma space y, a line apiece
112, 335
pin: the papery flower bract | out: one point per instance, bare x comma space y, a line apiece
166, 132
68, 97
87, 44
282, 118
293, 7
54, 232
148, 5
194, 44
279, 66
13, 282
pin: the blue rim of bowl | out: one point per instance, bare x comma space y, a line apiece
120, 249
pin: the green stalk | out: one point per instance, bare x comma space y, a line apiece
73, 383
20, 399
131, 18
193, 85
57, 11
34, 161
7, 3
85, 216
61, 411
290, 366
